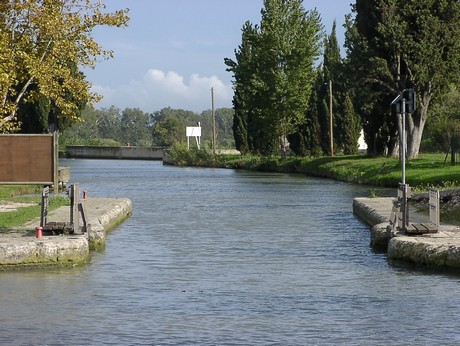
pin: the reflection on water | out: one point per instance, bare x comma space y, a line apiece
223, 257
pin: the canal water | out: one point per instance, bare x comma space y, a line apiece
224, 257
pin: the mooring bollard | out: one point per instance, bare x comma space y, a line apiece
38, 232
85, 194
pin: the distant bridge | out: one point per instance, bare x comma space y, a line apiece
122, 153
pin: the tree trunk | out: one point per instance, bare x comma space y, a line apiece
393, 147
415, 124
414, 139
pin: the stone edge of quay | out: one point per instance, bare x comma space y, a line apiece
28, 252
439, 250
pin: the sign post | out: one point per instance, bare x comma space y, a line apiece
193, 131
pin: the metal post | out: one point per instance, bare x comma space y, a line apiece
44, 209
403, 165
74, 201
405, 214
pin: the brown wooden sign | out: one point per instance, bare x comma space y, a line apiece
28, 159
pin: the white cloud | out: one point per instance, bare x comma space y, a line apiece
158, 89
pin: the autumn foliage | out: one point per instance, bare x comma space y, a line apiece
44, 44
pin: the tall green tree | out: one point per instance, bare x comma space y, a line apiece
244, 74
346, 122
108, 122
136, 127
350, 124
168, 131
277, 59
332, 64
169, 125
444, 122
96, 127
331, 86
307, 140
396, 44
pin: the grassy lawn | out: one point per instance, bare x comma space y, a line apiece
25, 194
427, 170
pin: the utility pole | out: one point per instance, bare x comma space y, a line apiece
331, 130
213, 139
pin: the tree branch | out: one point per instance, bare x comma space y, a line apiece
25, 87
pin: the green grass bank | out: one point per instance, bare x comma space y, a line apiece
425, 171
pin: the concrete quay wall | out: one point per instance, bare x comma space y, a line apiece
373, 211
20, 249
376, 213
104, 215
124, 153
437, 250
441, 250
25, 251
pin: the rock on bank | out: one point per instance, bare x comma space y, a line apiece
20, 249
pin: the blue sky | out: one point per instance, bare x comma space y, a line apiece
173, 51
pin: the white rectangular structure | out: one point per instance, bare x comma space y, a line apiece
434, 205
193, 131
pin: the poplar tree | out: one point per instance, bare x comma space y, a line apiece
306, 141
276, 60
